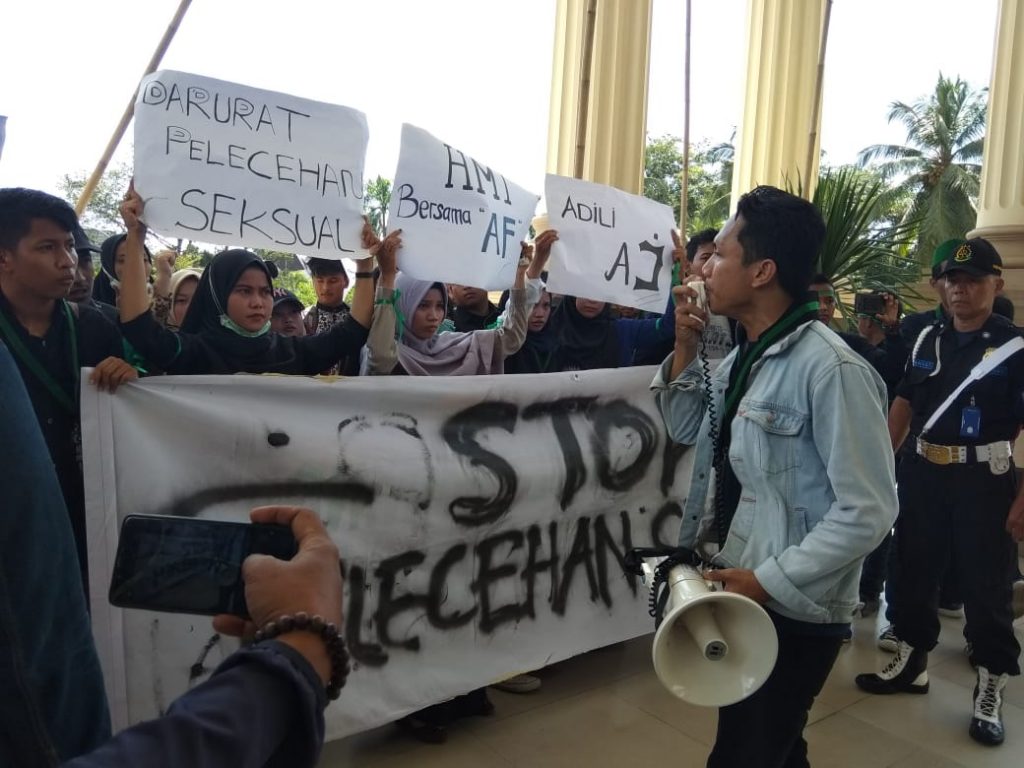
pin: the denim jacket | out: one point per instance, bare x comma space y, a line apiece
810, 448
52, 704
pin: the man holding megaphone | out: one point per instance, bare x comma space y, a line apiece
793, 478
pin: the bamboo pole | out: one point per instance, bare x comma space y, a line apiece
816, 106
129, 112
684, 189
583, 109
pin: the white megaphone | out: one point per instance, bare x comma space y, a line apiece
712, 648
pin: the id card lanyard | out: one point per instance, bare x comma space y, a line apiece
32, 363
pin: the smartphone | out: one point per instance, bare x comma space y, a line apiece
869, 303
186, 565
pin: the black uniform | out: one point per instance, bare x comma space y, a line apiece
960, 510
78, 337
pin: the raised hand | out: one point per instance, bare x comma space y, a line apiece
132, 208
542, 252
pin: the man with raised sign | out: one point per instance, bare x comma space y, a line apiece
793, 477
960, 403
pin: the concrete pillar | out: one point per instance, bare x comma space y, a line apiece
783, 39
1001, 203
617, 114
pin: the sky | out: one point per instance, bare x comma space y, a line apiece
475, 73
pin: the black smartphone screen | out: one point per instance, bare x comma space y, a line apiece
869, 303
185, 565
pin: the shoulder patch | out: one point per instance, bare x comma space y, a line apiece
927, 365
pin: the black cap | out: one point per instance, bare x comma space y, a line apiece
284, 296
975, 257
82, 240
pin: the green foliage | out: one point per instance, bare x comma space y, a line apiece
663, 166
710, 188
938, 170
298, 282
192, 257
863, 250
710, 181
285, 261
376, 199
102, 216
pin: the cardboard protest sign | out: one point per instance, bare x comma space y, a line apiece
461, 221
224, 163
612, 246
481, 520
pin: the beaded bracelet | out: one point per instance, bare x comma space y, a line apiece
328, 632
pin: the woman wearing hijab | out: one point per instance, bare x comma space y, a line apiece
107, 285
590, 337
540, 351
181, 290
420, 307
417, 310
227, 327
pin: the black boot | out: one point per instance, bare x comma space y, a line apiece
906, 673
987, 723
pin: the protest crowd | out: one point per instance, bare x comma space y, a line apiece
802, 408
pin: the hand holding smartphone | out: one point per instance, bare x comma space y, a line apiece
187, 565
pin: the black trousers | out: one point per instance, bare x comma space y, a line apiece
957, 511
766, 730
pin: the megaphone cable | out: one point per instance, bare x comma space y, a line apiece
659, 593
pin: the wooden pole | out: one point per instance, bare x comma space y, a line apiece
684, 189
816, 106
583, 109
129, 112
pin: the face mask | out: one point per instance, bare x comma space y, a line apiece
234, 327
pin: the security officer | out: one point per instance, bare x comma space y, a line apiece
957, 491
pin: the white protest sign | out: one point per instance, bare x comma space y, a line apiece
612, 246
224, 163
481, 520
461, 221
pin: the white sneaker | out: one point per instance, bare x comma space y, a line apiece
887, 640
987, 722
519, 684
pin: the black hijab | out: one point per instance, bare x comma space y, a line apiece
264, 353
585, 343
540, 351
103, 286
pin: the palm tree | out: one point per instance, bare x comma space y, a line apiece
863, 249
940, 166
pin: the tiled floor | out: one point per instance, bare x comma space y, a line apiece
607, 708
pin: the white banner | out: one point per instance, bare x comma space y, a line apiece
461, 221
481, 520
225, 163
612, 246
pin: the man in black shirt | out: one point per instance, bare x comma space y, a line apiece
470, 308
957, 491
50, 338
81, 289
889, 357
